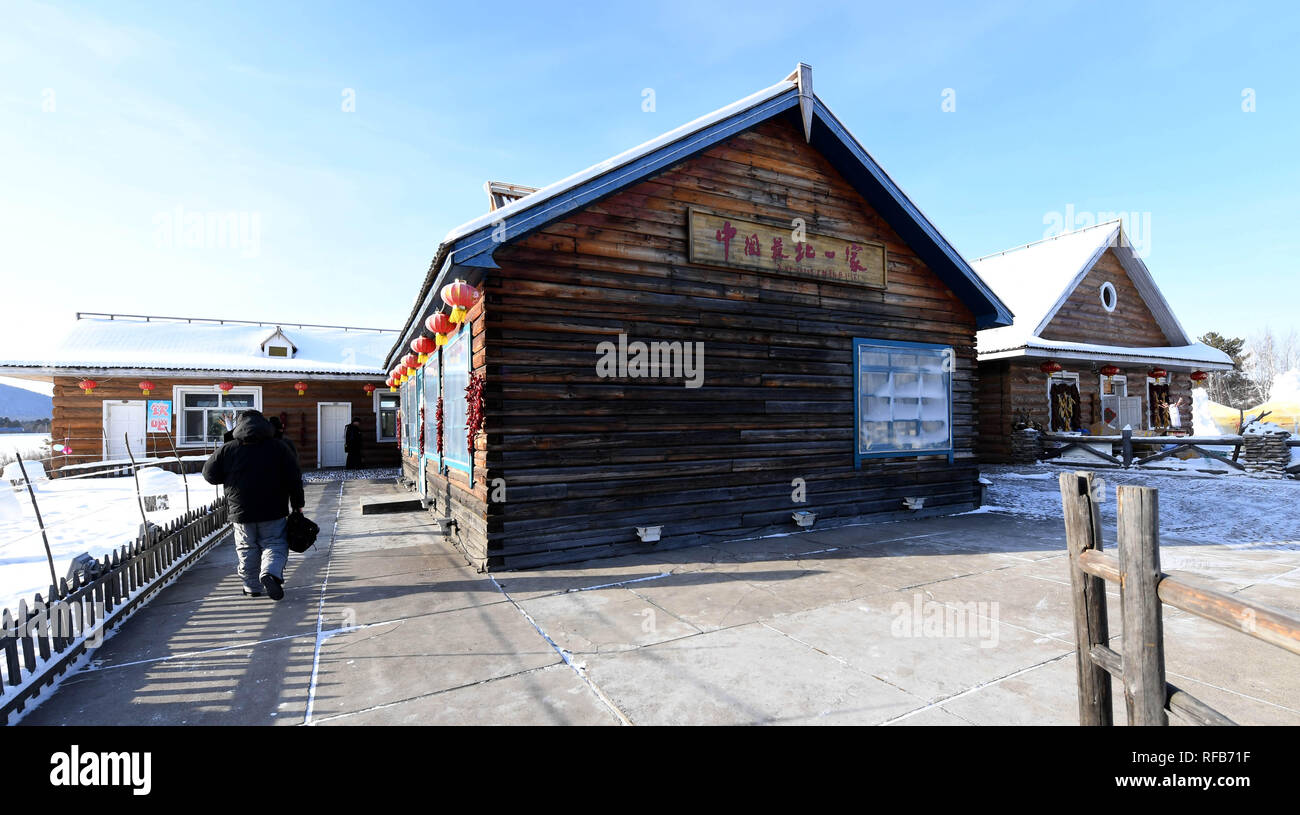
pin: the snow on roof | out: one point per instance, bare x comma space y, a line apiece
1033, 279
1036, 279
95, 342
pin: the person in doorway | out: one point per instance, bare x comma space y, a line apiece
279, 434
262, 481
352, 444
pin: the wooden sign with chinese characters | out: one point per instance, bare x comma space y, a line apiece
719, 240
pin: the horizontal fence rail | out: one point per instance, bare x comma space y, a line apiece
40, 642
1143, 589
1127, 443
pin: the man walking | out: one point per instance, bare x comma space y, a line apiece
262, 480
352, 444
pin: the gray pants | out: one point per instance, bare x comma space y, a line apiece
262, 548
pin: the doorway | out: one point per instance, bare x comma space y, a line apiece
124, 420
332, 419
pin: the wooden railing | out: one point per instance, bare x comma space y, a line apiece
1140, 667
1129, 458
41, 642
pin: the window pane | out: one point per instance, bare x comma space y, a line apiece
237, 400
455, 378
193, 427
200, 400
904, 397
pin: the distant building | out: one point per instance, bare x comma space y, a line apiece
1094, 344
199, 373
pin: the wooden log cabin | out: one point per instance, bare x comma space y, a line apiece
199, 374
738, 321
1094, 346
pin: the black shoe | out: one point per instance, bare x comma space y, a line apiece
273, 586
250, 593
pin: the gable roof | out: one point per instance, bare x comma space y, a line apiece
469, 247
1037, 279
113, 343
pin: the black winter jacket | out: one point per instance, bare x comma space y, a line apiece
260, 474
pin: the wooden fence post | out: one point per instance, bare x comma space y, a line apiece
1127, 444
1139, 566
1088, 595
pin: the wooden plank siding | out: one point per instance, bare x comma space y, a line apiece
1082, 318
586, 459
79, 416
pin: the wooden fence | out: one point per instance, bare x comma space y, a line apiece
1127, 455
1140, 668
43, 641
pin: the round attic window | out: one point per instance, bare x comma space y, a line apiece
1108, 296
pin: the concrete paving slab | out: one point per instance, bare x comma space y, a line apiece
909, 642
587, 622
712, 679
393, 662
1046, 694
546, 696
712, 600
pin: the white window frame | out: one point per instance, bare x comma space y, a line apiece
178, 408
1068, 376
1114, 296
379, 433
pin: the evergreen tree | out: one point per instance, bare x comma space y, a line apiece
1232, 388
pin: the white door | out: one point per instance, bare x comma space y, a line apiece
123, 420
332, 421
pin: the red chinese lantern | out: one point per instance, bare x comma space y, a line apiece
412, 362
368, 388
461, 296
441, 325
87, 386
423, 346
226, 387
301, 387
1157, 373
1199, 376
1051, 366
146, 386
1109, 370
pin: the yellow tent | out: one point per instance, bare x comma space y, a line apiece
1284, 413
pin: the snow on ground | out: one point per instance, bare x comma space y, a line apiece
95, 515
1241, 511
31, 445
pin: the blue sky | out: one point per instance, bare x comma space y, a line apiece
120, 120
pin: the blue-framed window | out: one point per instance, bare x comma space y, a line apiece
455, 378
431, 383
902, 399
410, 415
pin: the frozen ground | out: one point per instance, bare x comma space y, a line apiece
1236, 510
95, 515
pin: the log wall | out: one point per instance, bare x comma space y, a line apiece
80, 416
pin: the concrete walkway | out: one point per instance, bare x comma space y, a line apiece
961, 620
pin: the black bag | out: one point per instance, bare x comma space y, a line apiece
301, 532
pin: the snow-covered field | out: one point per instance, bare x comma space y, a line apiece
29, 444
1236, 510
95, 515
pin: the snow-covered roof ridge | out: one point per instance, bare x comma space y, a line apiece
94, 343
1057, 236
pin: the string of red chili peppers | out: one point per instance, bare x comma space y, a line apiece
474, 409
438, 418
